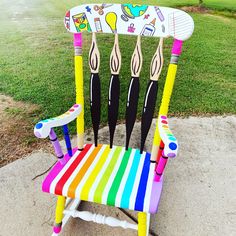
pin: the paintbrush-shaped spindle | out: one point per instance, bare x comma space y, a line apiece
114, 89
151, 93
95, 91
133, 92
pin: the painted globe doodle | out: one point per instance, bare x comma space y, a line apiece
132, 10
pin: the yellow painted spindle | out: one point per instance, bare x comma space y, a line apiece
168, 89
79, 88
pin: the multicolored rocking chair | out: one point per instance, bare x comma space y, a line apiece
117, 176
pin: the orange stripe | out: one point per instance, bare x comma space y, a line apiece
82, 171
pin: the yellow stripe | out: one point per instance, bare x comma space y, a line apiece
79, 97
82, 171
169, 84
106, 175
88, 184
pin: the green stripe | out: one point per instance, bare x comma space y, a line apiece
102, 184
116, 183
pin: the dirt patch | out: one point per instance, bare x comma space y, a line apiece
196, 9
16, 130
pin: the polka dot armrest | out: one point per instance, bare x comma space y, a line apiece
168, 147
169, 140
42, 129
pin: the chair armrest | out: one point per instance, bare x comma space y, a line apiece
169, 140
43, 128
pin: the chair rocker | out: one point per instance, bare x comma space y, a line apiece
118, 176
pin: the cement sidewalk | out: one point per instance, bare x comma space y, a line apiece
198, 196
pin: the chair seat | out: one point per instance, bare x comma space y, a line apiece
114, 177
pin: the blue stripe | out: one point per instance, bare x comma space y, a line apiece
142, 184
130, 181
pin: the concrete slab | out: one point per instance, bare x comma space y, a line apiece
198, 197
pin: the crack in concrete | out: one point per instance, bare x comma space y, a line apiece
43, 173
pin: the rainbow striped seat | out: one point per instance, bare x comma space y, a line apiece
114, 177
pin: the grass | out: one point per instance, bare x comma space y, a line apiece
225, 5
37, 60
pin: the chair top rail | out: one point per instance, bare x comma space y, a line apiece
130, 19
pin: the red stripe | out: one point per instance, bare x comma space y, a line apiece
160, 150
70, 170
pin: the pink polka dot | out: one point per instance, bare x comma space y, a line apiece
71, 110
76, 105
164, 122
163, 117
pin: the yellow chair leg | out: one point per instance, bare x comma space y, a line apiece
61, 201
142, 224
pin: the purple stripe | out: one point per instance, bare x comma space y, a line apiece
155, 196
54, 172
57, 146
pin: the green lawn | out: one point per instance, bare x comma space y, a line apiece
229, 5
37, 60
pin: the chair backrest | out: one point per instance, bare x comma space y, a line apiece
128, 19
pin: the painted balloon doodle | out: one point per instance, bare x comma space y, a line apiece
130, 19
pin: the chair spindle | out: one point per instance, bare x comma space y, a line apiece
133, 92
151, 93
168, 88
114, 89
56, 145
95, 87
160, 150
79, 88
67, 139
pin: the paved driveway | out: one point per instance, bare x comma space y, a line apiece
198, 196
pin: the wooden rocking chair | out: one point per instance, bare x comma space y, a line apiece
117, 176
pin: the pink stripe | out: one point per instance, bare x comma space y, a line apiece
55, 171
160, 168
155, 196
177, 47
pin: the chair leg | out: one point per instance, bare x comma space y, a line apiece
61, 201
143, 224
